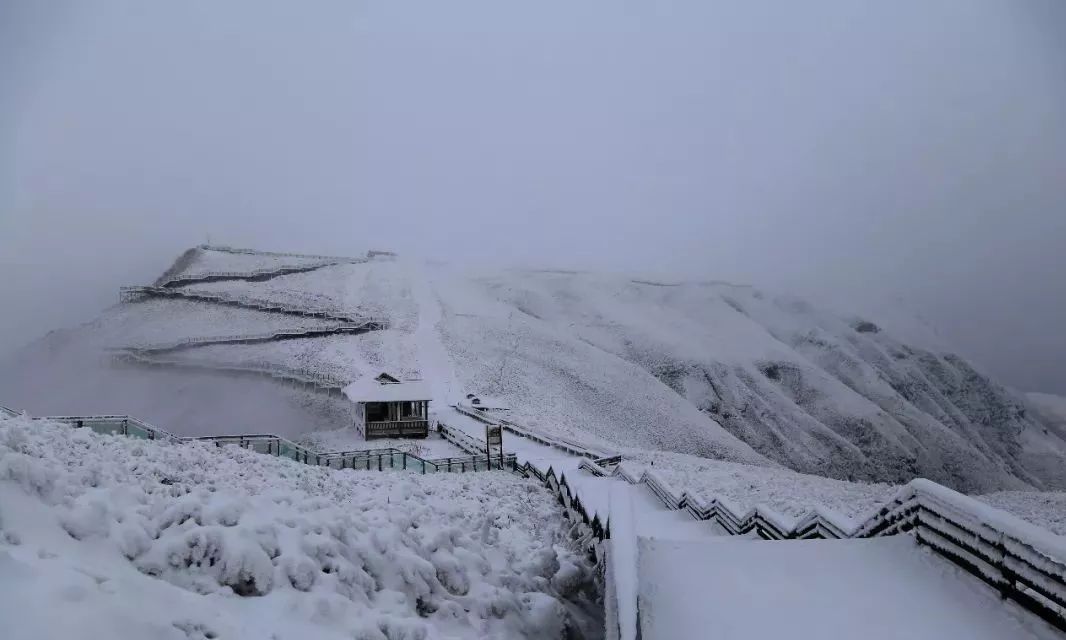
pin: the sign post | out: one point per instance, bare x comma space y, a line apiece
494, 442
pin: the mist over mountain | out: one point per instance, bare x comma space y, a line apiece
709, 368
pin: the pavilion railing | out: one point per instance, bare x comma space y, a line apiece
398, 428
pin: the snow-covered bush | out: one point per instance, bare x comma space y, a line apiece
367, 554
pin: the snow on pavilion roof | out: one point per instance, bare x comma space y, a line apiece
370, 390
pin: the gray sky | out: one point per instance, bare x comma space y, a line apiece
911, 150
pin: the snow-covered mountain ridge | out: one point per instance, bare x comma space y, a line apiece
710, 369
818, 392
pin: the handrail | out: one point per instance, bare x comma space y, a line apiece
1022, 561
380, 458
462, 440
524, 432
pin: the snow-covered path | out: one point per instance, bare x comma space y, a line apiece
876, 589
435, 363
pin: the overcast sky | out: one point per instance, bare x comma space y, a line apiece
912, 150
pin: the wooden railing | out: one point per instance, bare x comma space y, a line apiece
285, 334
524, 432
462, 440
380, 459
133, 294
1022, 561
309, 377
399, 428
278, 254
256, 275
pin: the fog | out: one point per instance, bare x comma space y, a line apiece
912, 152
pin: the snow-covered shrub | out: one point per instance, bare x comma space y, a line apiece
390, 556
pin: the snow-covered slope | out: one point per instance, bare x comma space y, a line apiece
709, 369
131, 539
820, 393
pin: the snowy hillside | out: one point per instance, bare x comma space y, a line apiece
709, 369
133, 539
820, 393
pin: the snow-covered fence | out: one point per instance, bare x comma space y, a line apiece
277, 254
591, 529
1022, 561
523, 432
286, 334
256, 275
380, 459
462, 440
312, 379
134, 294
117, 425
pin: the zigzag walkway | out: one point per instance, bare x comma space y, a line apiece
259, 275
284, 334
135, 293
306, 378
678, 566
666, 579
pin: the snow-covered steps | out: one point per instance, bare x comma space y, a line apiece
880, 589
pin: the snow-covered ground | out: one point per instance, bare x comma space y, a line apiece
155, 321
879, 589
663, 367
711, 369
783, 490
433, 446
105, 536
379, 288
343, 356
1050, 405
1045, 509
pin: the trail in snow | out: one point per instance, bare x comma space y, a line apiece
435, 364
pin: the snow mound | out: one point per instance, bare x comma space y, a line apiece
138, 539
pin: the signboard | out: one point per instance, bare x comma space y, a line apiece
494, 443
